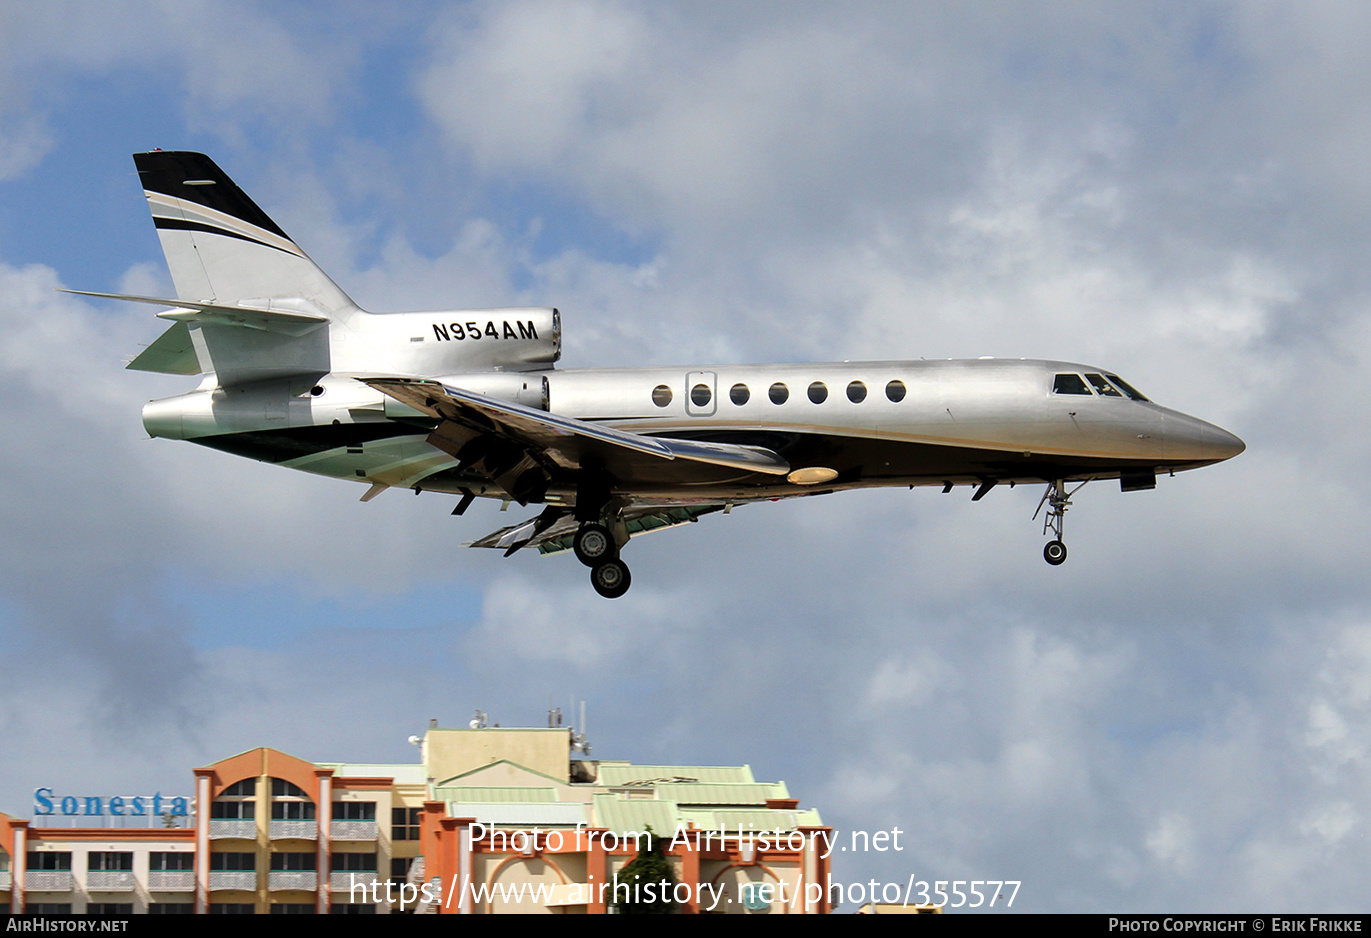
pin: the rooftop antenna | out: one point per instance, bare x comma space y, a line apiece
480, 721
579, 742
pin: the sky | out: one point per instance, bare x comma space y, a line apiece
1177, 719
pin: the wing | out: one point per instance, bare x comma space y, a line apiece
551, 532
525, 450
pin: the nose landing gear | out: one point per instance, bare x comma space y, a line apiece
1057, 499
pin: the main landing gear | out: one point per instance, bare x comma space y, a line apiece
1057, 499
595, 547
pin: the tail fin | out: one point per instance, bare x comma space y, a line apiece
221, 247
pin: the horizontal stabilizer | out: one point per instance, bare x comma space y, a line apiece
172, 353
284, 322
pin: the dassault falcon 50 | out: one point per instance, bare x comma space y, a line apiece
469, 402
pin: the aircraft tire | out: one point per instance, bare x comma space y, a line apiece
594, 544
611, 579
1055, 553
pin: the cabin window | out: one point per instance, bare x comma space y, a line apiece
856, 392
818, 392
1069, 384
661, 395
739, 394
779, 393
700, 395
1127, 388
1103, 387
895, 391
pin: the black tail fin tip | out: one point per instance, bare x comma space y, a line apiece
195, 177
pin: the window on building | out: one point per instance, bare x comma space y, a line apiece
293, 861
404, 823
109, 908
292, 811
280, 788
171, 908
399, 870
739, 394
354, 810
895, 391
292, 908
232, 908
232, 861
353, 863
233, 810
778, 393
244, 789
109, 862
818, 392
351, 908
48, 908
167, 862
48, 860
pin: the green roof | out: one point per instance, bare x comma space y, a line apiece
624, 773
636, 814
708, 793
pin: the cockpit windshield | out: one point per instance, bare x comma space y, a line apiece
1104, 385
1132, 392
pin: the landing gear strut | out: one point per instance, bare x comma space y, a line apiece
1058, 500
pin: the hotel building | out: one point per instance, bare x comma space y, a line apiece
489, 820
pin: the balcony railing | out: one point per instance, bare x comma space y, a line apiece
232, 879
352, 830
109, 881
172, 880
48, 881
293, 879
4, 879
343, 880
243, 829
294, 830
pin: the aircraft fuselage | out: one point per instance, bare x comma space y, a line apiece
866, 423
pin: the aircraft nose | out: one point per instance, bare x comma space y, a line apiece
1224, 444
1190, 438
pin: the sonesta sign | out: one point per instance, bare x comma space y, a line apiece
46, 803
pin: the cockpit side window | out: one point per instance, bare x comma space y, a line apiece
1103, 387
1069, 384
1127, 388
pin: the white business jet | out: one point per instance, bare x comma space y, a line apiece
469, 402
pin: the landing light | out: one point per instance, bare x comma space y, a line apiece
812, 476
